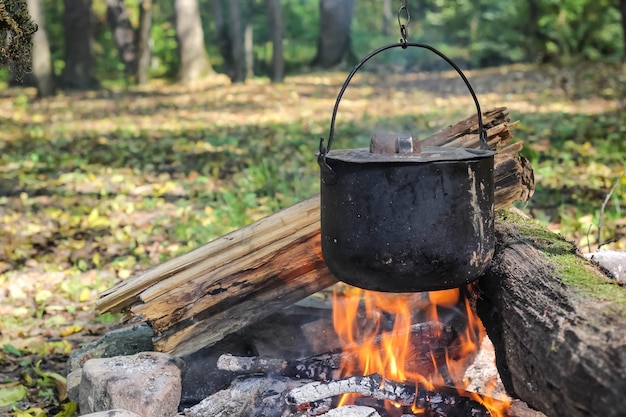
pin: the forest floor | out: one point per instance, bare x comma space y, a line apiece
96, 187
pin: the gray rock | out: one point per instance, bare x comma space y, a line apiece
112, 413
73, 384
613, 261
148, 383
119, 342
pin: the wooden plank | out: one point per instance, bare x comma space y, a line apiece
557, 322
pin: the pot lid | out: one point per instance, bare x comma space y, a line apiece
426, 154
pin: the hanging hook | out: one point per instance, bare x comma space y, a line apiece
404, 32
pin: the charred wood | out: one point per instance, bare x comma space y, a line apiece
441, 403
254, 397
431, 344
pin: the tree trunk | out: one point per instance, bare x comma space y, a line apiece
557, 323
238, 73
622, 11
194, 61
77, 24
387, 17
123, 34
249, 49
42, 62
223, 37
334, 39
143, 41
275, 19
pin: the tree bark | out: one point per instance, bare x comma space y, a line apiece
77, 23
42, 62
557, 323
143, 41
194, 61
275, 19
334, 39
123, 34
238, 50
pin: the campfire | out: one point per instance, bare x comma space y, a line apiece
420, 343
401, 355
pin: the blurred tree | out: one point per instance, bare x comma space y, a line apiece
275, 20
622, 11
194, 60
123, 33
77, 24
143, 41
42, 62
334, 38
387, 17
132, 44
238, 70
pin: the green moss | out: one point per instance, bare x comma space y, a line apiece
572, 269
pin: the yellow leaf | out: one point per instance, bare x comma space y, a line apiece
84, 295
66, 331
96, 259
93, 216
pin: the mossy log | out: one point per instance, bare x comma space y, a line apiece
557, 322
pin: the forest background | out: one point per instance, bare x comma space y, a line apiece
145, 129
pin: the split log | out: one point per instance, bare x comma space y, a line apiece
196, 299
443, 402
557, 322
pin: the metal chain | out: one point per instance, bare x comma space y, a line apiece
404, 31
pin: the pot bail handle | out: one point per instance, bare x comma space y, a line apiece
327, 174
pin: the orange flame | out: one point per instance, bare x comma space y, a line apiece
376, 329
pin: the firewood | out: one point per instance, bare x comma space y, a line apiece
431, 342
352, 411
557, 322
444, 402
196, 299
253, 397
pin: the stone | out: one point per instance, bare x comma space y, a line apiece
112, 413
147, 383
119, 342
73, 384
613, 261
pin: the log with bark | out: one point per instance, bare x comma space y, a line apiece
196, 299
557, 322
431, 344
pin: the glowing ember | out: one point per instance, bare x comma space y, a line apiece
377, 326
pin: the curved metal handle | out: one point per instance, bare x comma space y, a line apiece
327, 172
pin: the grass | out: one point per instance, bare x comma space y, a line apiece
96, 187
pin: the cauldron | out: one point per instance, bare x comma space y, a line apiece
399, 217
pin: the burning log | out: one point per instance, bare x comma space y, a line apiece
352, 411
557, 322
196, 299
254, 397
431, 342
441, 403
318, 368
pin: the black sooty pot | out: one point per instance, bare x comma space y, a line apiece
408, 219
